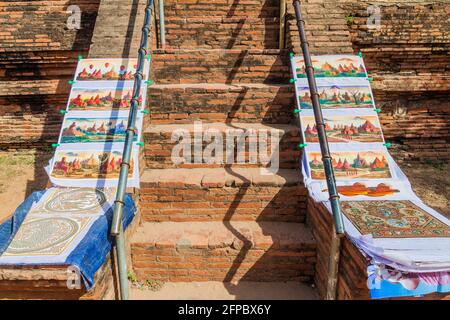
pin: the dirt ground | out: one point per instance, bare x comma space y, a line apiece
431, 182
21, 173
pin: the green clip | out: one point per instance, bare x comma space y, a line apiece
292, 80
145, 111
80, 57
302, 145
360, 54
70, 82
63, 111
149, 82
377, 110
291, 55
369, 78
387, 144
297, 110
140, 143
54, 145
148, 57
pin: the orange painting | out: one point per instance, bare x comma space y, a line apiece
352, 165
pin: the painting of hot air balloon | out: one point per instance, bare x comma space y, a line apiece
350, 165
341, 66
348, 128
85, 130
108, 69
333, 97
102, 99
89, 165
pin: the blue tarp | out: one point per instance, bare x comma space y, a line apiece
91, 252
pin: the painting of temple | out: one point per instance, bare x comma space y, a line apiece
106, 69
84, 130
101, 99
345, 129
334, 97
350, 165
88, 165
333, 67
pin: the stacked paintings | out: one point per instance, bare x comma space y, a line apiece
382, 215
90, 145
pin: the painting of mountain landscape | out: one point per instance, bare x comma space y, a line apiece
81, 130
88, 165
352, 165
333, 67
101, 99
334, 97
344, 129
106, 69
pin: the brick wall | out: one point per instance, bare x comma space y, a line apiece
408, 58
38, 54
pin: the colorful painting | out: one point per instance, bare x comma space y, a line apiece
83, 130
352, 165
334, 97
106, 69
74, 201
393, 219
101, 99
333, 67
360, 189
344, 129
88, 165
49, 236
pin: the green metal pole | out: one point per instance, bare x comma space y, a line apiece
117, 226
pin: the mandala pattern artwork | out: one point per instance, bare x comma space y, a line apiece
393, 219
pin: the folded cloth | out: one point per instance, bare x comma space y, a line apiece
56, 231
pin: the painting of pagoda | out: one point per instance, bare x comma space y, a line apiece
101, 99
333, 97
352, 165
88, 165
106, 69
345, 129
80, 130
333, 67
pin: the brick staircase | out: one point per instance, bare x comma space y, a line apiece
217, 222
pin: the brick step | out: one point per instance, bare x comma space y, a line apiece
50, 282
213, 32
172, 66
38, 65
228, 8
218, 290
218, 194
237, 144
223, 251
185, 103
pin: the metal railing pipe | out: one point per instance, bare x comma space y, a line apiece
326, 158
117, 225
162, 25
282, 23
